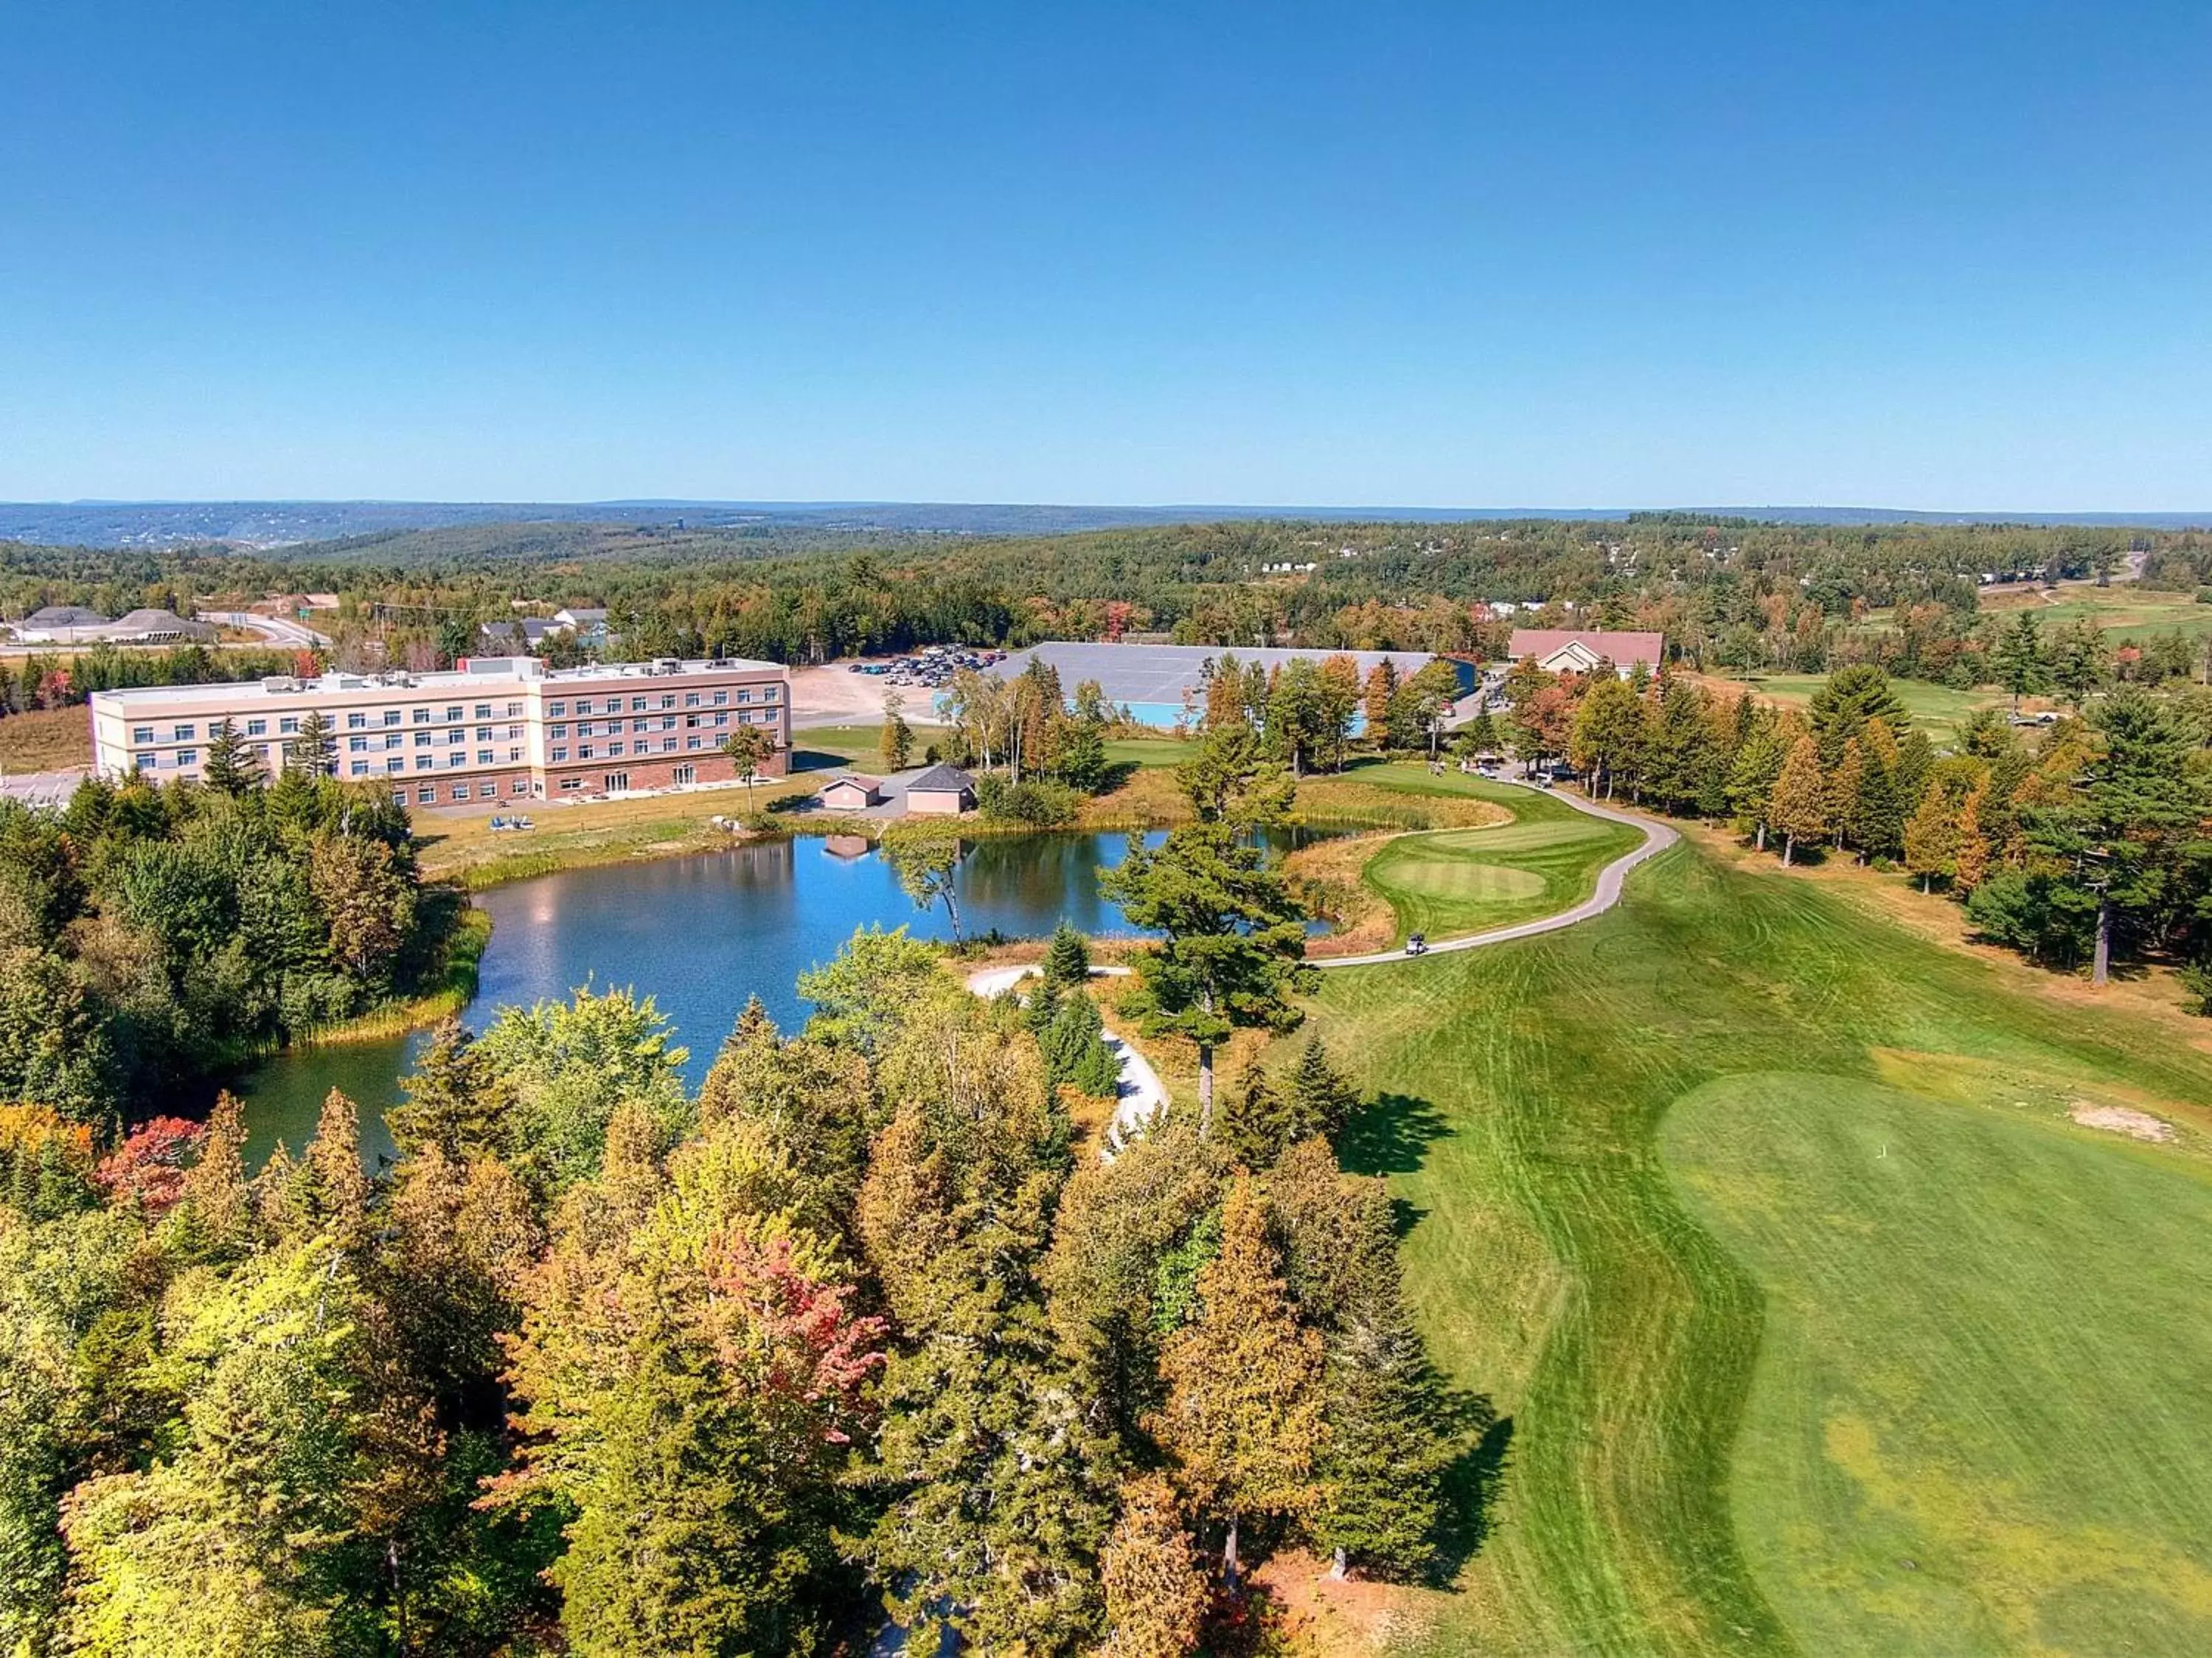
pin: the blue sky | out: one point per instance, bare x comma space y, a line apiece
1942, 256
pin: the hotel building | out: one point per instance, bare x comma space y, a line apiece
501, 727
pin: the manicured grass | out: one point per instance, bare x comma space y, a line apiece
2124, 612
1937, 709
1468, 881
1651, 1487
1977, 1420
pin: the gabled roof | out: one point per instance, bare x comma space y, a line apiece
1622, 649
869, 783
941, 779
65, 616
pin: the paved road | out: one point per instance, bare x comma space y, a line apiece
41, 788
277, 629
1657, 837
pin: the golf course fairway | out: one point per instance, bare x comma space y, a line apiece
1812, 1322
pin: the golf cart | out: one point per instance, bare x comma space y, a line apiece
1417, 944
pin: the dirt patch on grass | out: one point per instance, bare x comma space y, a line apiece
1316, 1616
2119, 1119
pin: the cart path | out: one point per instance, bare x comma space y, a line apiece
1657, 837
1139, 1094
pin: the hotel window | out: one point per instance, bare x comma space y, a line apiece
640, 725
514, 710
637, 705
355, 721
487, 791
484, 734
460, 791
391, 717
518, 785
456, 736
684, 774
515, 757
583, 705
141, 733
399, 797
452, 714
721, 698
668, 699
395, 741
515, 734
424, 762
554, 710
421, 739
568, 784
691, 699
357, 744
256, 727
690, 722
614, 748
484, 757
668, 744
484, 710
694, 742
558, 731
559, 755
421, 717
358, 768
583, 751
668, 722
722, 719
188, 757
397, 763
745, 696
427, 796
288, 726
455, 756
180, 734
768, 693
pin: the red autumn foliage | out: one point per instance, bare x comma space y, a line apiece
149, 1167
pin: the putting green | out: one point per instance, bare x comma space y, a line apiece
1455, 881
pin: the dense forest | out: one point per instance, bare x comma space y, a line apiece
601, 1366
1728, 593
154, 939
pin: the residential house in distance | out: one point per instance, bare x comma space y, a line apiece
493, 728
852, 793
1578, 650
941, 791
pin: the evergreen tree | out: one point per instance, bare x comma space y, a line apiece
1753, 779
2018, 659
314, 749
1877, 822
1931, 838
1156, 1596
1800, 808
1067, 963
1320, 1098
1243, 1412
233, 766
456, 1099
1234, 950
1970, 860
1075, 1051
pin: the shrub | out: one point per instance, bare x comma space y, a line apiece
1040, 805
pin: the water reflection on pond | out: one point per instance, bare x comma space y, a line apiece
699, 934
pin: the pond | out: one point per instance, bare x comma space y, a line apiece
699, 934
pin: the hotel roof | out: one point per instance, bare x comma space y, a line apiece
476, 674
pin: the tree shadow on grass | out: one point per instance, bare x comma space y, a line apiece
1472, 1481
815, 759
1390, 1135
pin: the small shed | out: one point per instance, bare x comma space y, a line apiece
852, 793
941, 791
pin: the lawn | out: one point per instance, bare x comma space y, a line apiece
2125, 612
1742, 1376
1937, 709
1468, 881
